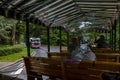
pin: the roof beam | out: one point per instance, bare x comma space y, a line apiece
37, 6
53, 14
63, 9
66, 14
98, 3
47, 7
96, 0
67, 19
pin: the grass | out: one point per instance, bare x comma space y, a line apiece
15, 56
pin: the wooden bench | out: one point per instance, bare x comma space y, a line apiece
68, 70
58, 55
106, 54
103, 50
112, 57
65, 50
38, 66
82, 70
90, 70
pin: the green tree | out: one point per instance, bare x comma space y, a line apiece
6, 25
20, 31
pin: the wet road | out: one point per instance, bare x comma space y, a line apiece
17, 69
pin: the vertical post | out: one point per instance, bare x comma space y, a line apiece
115, 34
27, 37
110, 39
48, 37
68, 39
106, 35
95, 37
60, 38
112, 35
119, 29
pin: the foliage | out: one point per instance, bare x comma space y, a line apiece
55, 37
36, 30
6, 26
10, 49
118, 37
20, 31
43, 39
41, 32
15, 56
5, 29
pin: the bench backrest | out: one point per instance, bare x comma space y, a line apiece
103, 50
107, 66
82, 71
112, 57
90, 70
58, 55
65, 50
70, 70
43, 66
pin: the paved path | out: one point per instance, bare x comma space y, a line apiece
40, 52
17, 69
4, 64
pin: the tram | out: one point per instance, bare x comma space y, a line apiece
73, 17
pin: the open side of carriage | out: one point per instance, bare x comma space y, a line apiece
75, 17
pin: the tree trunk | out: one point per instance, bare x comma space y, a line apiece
13, 35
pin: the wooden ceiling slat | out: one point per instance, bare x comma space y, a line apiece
63, 10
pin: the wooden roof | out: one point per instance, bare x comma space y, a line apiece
65, 13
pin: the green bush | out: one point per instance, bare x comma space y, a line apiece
10, 50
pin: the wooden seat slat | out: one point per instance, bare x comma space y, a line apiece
43, 66
103, 50
107, 66
65, 50
112, 57
82, 71
72, 70
51, 54
48, 72
83, 77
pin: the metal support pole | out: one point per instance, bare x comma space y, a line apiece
112, 34
112, 39
60, 38
106, 35
115, 32
119, 30
27, 37
48, 34
48, 37
68, 39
